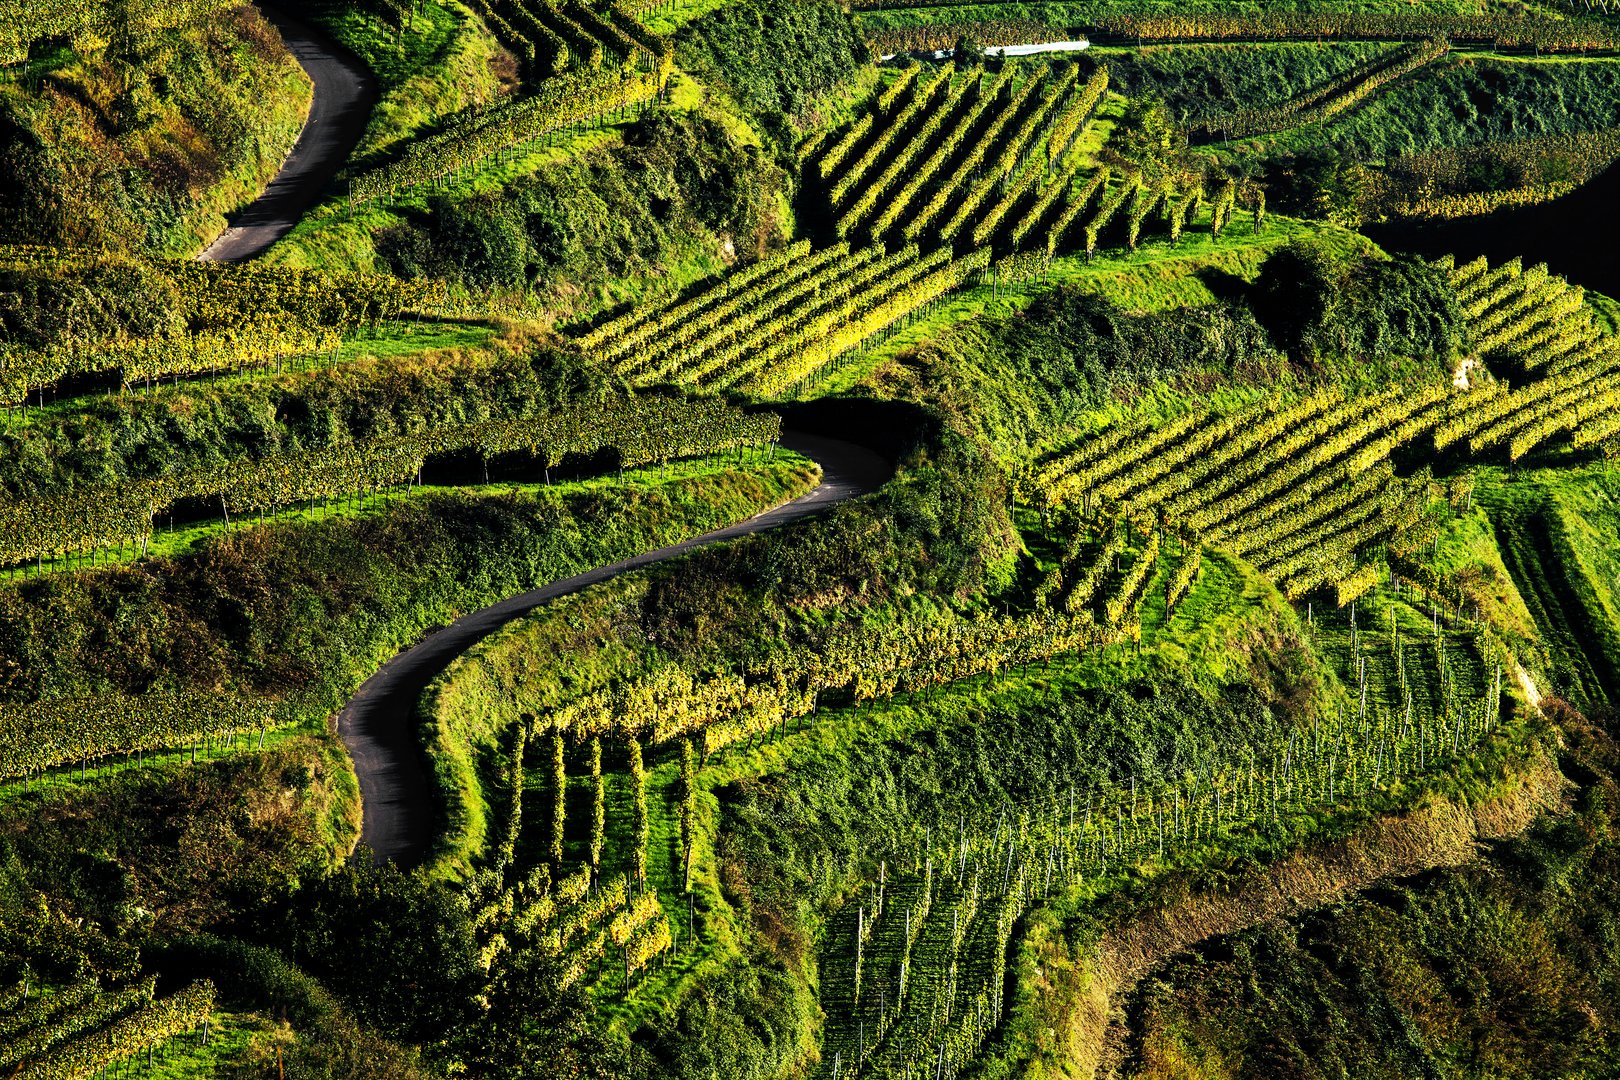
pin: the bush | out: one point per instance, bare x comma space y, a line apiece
399, 950
1320, 306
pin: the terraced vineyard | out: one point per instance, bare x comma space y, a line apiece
961, 158
914, 968
1308, 489
223, 319
768, 329
581, 65
705, 549
82, 1030
1322, 103
1568, 371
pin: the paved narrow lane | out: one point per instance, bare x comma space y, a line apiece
343, 98
397, 804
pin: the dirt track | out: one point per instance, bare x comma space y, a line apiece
398, 816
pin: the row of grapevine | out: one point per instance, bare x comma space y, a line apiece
219, 296
1503, 29
1441, 183
946, 140
774, 325
1302, 488
1322, 103
79, 731
647, 323
1006, 163
923, 140
222, 318
900, 125
265, 346
641, 430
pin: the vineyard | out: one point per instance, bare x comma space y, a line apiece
780, 322
949, 171
1322, 103
214, 318
89, 24
914, 966
1505, 31
914, 977
637, 431
973, 159
420, 657
1308, 491
1440, 185
81, 1030
581, 66
1539, 331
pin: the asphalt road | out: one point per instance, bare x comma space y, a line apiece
397, 803
343, 98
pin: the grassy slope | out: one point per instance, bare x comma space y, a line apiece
1464, 100
1155, 277
443, 60
335, 236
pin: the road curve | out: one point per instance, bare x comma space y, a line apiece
396, 798
343, 97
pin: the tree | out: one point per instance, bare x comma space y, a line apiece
532, 1031
399, 949
1323, 185
1147, 139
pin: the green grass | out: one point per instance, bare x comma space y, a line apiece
186, 1057
677, 13
1557, 529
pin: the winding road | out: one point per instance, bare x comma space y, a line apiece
396, 796
343, 97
